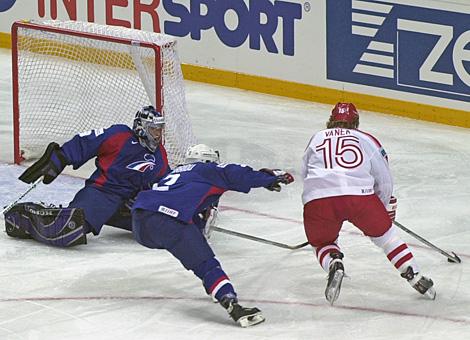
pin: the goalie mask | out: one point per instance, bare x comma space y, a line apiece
201, 153
148, 126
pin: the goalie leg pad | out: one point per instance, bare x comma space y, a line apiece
61, 227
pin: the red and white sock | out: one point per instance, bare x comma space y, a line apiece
397, 250
323, 255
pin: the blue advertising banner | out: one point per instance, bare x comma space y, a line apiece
258, 21
5, 5
400, 47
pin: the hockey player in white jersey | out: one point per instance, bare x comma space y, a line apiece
347, 178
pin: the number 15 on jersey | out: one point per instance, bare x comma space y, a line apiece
343, 151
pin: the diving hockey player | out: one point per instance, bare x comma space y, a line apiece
347, 178
127, 161
164, 218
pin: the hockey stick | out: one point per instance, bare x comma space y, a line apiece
22, 195
259, 239
450, 257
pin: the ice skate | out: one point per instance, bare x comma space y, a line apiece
244, 316
335, 278
421, 283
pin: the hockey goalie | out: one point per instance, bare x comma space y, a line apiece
127, 161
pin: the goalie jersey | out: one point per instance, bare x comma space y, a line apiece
190, 189
123, 166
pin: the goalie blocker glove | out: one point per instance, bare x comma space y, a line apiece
50, 165
281, 177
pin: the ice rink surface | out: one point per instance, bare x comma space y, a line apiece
113, 288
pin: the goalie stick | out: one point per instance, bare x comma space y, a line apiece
453, 258
6, 209
259, 239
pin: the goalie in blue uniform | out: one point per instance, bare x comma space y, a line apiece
127, 161
168, 217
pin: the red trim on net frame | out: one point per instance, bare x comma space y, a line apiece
16, 117
14, 34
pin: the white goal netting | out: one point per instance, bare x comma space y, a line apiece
69, 82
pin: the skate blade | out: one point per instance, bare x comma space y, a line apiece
251, 320
430, 294
333, 290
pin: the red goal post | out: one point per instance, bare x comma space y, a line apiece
71, 76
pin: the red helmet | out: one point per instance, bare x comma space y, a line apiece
344, 112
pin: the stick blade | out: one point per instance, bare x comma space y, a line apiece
454, 259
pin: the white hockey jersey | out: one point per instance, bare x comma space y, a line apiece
340, 162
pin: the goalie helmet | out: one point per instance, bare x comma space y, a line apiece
148, 125
344, 115
201, 153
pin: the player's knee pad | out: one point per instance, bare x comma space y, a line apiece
396, 250
388, 237
183, 241
191, 248
56, 226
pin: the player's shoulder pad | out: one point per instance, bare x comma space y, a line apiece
224, 165
367, 136
184, 168
234, 168
111, 130
119, 128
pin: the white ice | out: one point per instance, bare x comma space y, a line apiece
113, 288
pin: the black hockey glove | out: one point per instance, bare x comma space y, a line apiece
281, 177
50, 165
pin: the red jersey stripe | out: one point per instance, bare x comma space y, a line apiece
108, 153
165, 161
220, 279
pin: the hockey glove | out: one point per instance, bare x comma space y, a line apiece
392, 208
211, 219
281, 177
50, 165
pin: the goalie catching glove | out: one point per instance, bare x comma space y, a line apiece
50, 165
281, 177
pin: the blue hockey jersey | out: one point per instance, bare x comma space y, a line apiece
190, 189
123, 166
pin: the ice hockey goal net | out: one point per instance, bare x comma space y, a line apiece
70, 77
